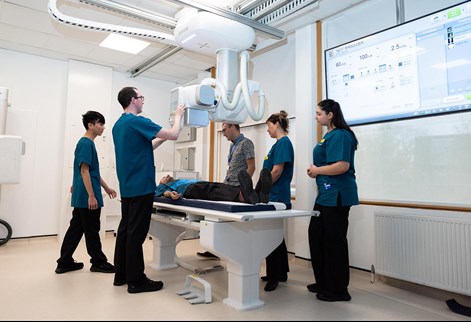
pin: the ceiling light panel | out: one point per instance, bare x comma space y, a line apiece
123, 43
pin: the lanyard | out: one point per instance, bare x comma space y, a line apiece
233, 146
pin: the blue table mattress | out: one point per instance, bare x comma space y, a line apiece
217, 205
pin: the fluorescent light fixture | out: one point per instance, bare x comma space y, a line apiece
123, 43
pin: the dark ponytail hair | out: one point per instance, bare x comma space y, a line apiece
338, 121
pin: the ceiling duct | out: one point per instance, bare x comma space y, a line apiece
271, 11
245, 6
265, 8
105, 27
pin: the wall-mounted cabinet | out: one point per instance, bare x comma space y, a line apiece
187, 134
187, 158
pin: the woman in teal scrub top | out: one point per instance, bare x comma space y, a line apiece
334, 171
280, 161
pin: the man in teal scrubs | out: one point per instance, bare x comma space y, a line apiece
135, 138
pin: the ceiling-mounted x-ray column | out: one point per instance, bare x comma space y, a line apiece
232, 99
208, 34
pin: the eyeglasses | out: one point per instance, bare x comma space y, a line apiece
141, 97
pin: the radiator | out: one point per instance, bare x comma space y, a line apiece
431, 251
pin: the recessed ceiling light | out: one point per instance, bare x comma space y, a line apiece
123, 43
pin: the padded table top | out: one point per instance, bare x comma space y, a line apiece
218, 205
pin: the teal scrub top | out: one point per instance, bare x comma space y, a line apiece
281, 152
132, 137
179, 185
337, 145
85, 152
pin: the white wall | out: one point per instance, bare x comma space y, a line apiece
305, 98
37, 95
47, 99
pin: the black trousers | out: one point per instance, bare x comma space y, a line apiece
215, 191
277, 266
84, 222
132, 232
329, 248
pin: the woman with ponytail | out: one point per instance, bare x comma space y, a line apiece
280, 162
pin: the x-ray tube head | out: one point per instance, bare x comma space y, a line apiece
197, 99
194, 96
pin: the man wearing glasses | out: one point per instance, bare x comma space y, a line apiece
135, 139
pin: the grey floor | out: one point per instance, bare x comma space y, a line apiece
30, 290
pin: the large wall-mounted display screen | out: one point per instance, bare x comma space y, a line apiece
419, 68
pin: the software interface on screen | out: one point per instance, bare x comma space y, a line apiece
419, 68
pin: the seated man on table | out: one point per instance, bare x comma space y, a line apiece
217, 191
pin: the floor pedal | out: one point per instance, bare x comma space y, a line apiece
209, 269
196, 295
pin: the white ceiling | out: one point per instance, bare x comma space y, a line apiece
26, 26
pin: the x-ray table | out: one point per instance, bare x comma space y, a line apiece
243, 239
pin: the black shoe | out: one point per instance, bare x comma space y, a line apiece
64, 268
284, 279
264, 185
119, 282
456, 307
271, 286
334, 297
313, 288
207, 255
146, 286
246, 187
103, 268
